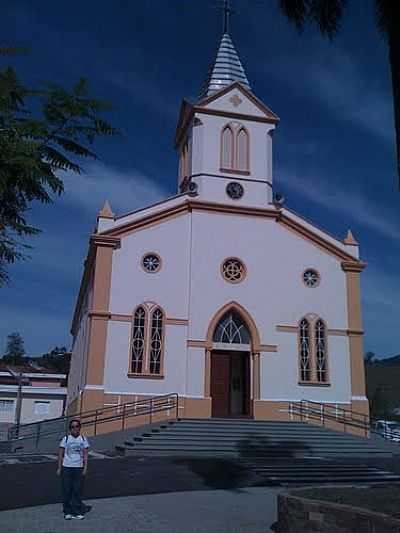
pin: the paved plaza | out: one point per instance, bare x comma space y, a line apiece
245, 510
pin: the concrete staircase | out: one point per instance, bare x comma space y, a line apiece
282, 453
249, 439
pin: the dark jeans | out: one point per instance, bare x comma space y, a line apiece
71, 483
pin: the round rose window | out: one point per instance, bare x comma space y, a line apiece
233, 270
151, 263
311, 278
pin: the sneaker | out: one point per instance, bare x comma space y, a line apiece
78, 517
68, 516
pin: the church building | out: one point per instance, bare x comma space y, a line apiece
221, 293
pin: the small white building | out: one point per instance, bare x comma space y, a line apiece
221, 293
43, 394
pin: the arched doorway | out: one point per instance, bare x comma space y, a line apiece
230, 366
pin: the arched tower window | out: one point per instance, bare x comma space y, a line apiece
156, 341
305, 356
320, 351
138, 341
232, 329
227, 148
242, 150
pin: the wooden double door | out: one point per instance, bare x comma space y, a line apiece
230, 383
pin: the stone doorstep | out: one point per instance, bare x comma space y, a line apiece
329, 517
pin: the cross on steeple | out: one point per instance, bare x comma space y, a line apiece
227, 11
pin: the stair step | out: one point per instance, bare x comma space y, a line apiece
270, 439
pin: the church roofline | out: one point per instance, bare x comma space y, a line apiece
330, 243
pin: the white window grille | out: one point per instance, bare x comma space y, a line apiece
320, 351
138, 340
156, 342
305, 356
232, 329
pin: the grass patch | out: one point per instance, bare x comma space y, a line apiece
381, 499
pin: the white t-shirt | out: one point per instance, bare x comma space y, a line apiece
74, 446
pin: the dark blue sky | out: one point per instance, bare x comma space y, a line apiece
333, 150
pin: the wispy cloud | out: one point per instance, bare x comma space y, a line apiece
353, 203
347, 88
125, 190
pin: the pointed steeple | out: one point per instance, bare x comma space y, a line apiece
350, 240
105, 212
225, 69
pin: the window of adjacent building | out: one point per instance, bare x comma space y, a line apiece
313, 351
42, 408
6, 406
147, 341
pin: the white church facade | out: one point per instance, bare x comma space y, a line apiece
220, 294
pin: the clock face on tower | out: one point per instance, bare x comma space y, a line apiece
234, 190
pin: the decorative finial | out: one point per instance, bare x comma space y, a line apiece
106, 212
350, 240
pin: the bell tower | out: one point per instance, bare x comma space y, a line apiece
224, 139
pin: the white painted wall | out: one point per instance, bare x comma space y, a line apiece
273, 293
208, 154
28, 414
117, 363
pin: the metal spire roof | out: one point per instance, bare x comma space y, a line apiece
226, 69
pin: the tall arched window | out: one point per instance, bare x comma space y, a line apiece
227, 148
138, 341
313, 357
232, 329
242, 150
156, 342
320, 351
147, 341
305, 359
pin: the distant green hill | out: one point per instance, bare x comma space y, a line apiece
383, 386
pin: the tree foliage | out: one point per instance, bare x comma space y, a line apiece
43, 132
328, 15
15, 349
58, 360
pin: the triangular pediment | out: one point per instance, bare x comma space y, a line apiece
236, 98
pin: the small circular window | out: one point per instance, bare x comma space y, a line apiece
233, 270
151, 262
234, 190
311, 278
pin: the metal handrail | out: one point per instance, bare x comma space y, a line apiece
96, 417
325, 412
